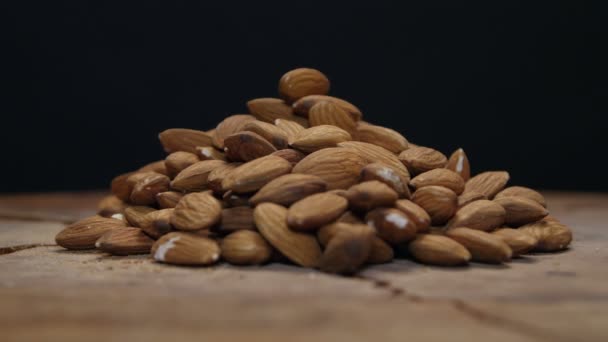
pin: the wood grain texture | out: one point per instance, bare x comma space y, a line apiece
47, 293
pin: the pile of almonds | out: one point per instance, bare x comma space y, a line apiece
303, 179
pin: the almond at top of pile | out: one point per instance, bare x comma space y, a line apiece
304, 179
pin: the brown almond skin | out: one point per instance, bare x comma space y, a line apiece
230, 125
302, 106
246, 146
391, 225
438, 250
380, 253
195, 211
290, 127
377, 154
459, 163
168, 199
521, 210
519, 241
135, 214
301, 82
381, 136
422, 159
121, 188
387, 175
319, 137
469, 197
209, 153
180, 248
339, 167
288, 189
487, 183
329, 113
110, 205
484, 247
125, 241
301, 248
271, 133
347, 250
440, 177
84, 233
291, 155
181, 139
217, 175
253, 175
195, 177
552, 235
270, 109
520, 191
157, 223
236, 218
177, 161
146, 187
232, 199
369, 195
438, 201
245, 247
481, 215
315, 210
157, 166
416, 213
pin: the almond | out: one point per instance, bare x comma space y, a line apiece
391, 225
270, 109
236, 218
315, 211
120, 186
110, 205
287, 189
482, 215
291, 155
195, 177
301, 248
302, 106
438, 201
253, 175
369, 195
217, 175
380, 253
551, 234
177, 161
229, 126
347, 250
521, 210
484, 247
319, 137
381, 136
386, 175
519, 241
209, 153
168, 199
291, 128
520, 191
329, 113
181, 248
339, 167
125, 241
376, 154
469, 197
459, 163
196, 211
157, 166
441, 177
246, 146
135, 215
232, 199
421, 159
349, 217
245, 247
84, 233
438, 250
273, 134
147, 186
301, 82
487, 183
181, 139
157, 223
416, 213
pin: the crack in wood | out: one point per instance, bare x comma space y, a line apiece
17, 248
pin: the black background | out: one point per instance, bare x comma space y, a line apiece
518, 85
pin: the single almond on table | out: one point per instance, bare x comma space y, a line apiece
319, 137
521, 191
438, 201
246, 146
438, 250
459, 163
287, 189
315, 210
301, 82
369, 195
195, 177
291, 155
301, 248
146, 186
168, 199
441, 177
290, 127
271, 133
180, 248
519, 241
83, 234
209, 153
484, 247
552, 235
157, 223
110, 205
125, 241
270, 109
521, 210
253, 175
376, 154
181, 139
229, 126
487, 183
329, 113
416, 213
469, 197
386, 175
217, 175
391, 225
245, 247
236, 218
422, 159
481, 215
177, 161
302, 106
339, 167
381, 136
347, 250
199, 210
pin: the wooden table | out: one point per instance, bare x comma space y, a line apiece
50, 294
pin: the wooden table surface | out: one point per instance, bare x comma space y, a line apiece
50, 294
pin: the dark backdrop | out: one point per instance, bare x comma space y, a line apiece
518, 85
